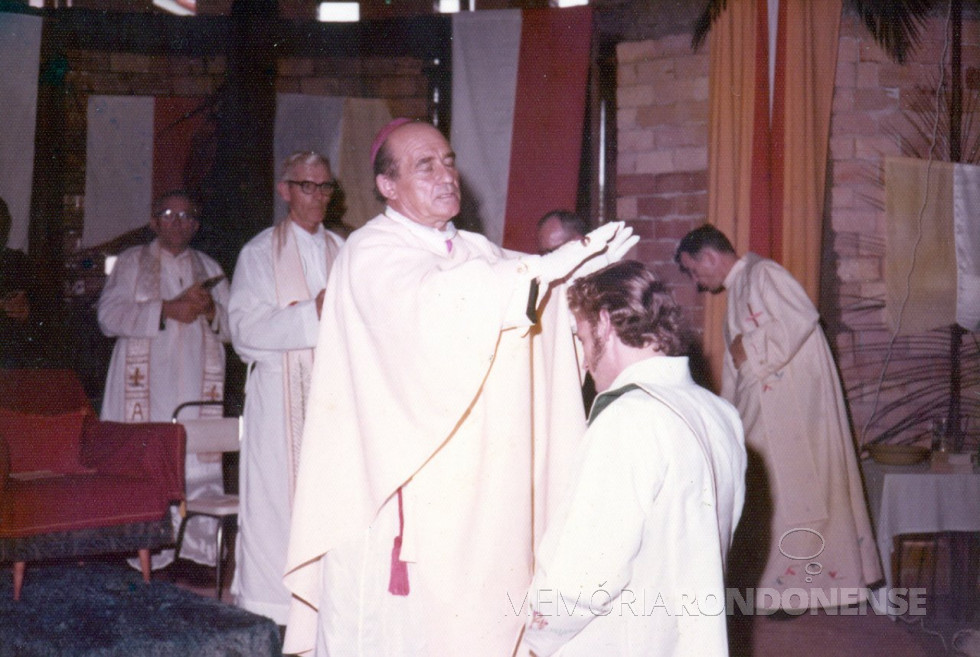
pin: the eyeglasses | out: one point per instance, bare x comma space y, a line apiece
308, 186
169, 216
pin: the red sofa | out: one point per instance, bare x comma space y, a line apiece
72, 485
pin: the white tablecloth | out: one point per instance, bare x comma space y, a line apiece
913, 500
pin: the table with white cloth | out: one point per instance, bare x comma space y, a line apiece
912, 500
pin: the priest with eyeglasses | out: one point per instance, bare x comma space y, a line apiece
166, 305
274, 312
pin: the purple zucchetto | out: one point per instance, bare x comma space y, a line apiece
384, 133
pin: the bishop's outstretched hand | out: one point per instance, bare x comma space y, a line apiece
603, 246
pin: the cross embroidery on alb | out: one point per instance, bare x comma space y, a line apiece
136, 378
538, 621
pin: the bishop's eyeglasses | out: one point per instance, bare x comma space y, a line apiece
309, 187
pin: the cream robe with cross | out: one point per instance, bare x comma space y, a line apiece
428, 377
805, 523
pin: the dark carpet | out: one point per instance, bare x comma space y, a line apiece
102, 610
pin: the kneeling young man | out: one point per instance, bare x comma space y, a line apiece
634, 562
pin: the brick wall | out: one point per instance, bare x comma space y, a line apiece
872, 116
662, 184
662, 157
400, 80
126, 74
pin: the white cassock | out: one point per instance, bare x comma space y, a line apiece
263, 328
806, 521
423, 382
174, 368
634, 563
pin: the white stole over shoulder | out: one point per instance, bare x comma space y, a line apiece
297, 363
137, 389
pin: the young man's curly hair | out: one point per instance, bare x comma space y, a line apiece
642, 311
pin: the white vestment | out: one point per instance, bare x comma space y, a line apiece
806, 520
176, 363
263, 328
634, 563
431, 379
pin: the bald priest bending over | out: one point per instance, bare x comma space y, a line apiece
412, 526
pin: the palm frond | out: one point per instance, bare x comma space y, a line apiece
712, 10
894, 24
927, 116
915, 387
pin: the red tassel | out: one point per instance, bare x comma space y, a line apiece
398, 582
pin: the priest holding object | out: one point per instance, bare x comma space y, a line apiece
426, 444
166, 305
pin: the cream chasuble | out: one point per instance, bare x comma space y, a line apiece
429, 377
